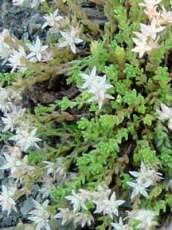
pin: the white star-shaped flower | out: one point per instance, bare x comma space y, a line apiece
145, 217
146, 40
25, 138
8, 98
12, 119
145, 178
17, 59
139, 188
7, 199
142, 45
52, 19
152, 30
40, 216
70, 39
77, 202
37, 50
108, 206
89, 79
98, 90
97, 87
17, 165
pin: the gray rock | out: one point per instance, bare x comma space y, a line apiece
24, 23
7, 221
35, 189
26, 207
167, 223
169, 227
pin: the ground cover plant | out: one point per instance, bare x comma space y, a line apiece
86, 116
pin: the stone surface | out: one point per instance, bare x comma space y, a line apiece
24, 23
26, 207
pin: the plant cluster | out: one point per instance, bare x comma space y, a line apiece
101, 152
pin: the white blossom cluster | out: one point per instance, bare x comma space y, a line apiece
70, 39
97, 87
147, 39
144, 179
104, 200
105, 204
23, 137
69, 35
52, 20
7, 201
77, 218
145, 218
40, 216
16, 163
55, 21
9, 100
18, 55
24, 134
